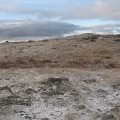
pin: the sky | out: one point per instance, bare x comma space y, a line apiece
35, 19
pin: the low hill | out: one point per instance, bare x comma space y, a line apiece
80, 51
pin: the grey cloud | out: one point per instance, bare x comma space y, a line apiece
23, 29
35, 29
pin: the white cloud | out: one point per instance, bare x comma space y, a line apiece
102, 29
99, 9
95, 9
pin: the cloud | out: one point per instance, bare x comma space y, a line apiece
35, 12
99, 9
28, 29
14, 8
102, 29
95, 9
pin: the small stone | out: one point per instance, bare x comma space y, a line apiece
79, 107
90, 81
45, 119
108, 117
30, 91
27, 117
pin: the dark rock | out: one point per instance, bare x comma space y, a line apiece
45, 119
117, 40
30, 91
102, 93
90, 81
55, 81
93, 40
6, 41
55, 86
15, 100
6, 88
78, 107
108, 117
59, 102
115, 86
28, 117
74, 92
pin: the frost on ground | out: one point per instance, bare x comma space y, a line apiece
59, 94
